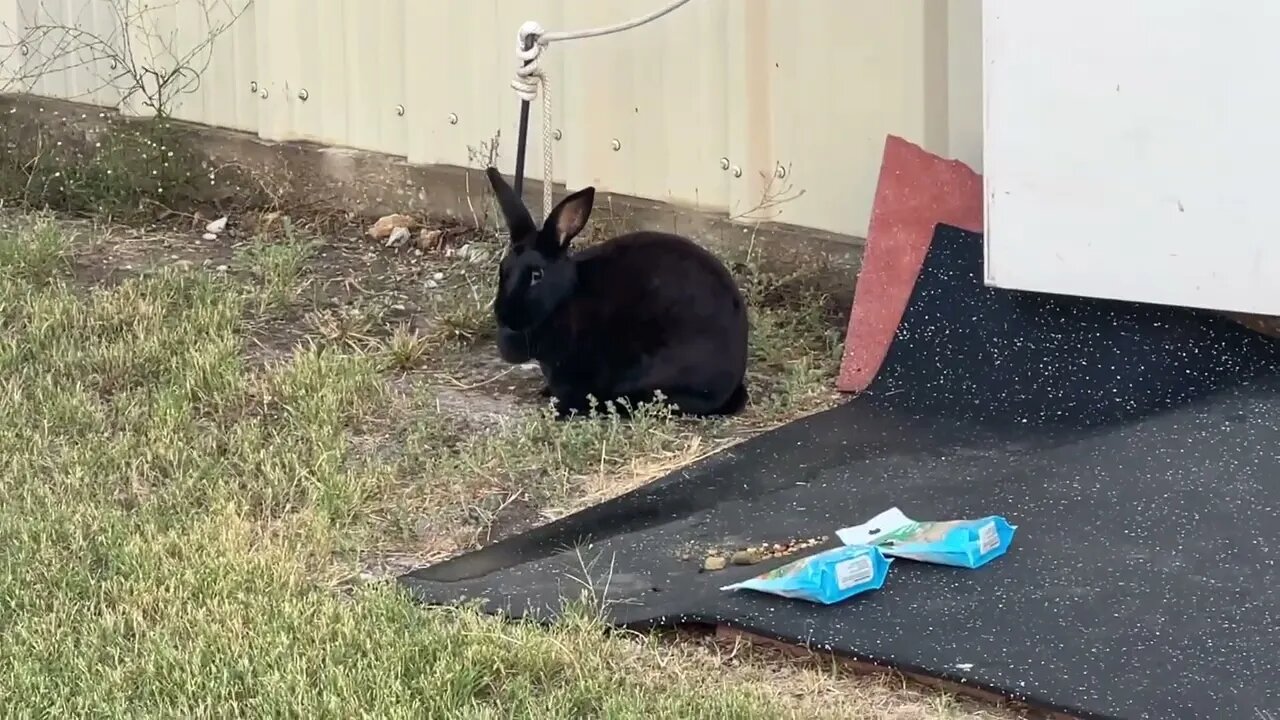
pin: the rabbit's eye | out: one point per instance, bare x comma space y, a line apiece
534, 276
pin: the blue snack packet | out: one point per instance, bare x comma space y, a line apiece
826, 577
958, 543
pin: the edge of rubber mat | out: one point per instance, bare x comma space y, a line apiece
916, 190
985, 692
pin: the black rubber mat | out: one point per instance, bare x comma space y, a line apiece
1136, 447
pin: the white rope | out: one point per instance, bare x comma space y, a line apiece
530, 41
528, 78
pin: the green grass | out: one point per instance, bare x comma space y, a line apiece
103, 165
181, 520
457, 475
278, 267
165, 512
451, 473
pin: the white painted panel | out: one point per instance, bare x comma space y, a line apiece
1130, 150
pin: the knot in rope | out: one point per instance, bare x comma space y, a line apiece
529, 43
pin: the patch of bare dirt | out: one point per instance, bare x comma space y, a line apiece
354, 288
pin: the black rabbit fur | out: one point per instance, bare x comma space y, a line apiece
642, 313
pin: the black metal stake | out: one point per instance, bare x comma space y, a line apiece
522, 138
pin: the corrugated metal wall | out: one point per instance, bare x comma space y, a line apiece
811, 87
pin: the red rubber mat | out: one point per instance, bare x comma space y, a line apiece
916, 191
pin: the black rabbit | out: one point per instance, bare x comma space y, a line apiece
642, 313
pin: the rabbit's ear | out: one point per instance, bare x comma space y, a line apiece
569, 217
519, 223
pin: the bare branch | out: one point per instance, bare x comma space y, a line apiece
142, 54
772, 197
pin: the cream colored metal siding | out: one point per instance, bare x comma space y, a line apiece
660, 91
54, 65
375, 48
460, 63
964, 81
812, 87
222, 96
829, 94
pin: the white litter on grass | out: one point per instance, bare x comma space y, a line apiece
399, 236
472, 253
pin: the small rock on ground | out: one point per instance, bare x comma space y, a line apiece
387, 224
